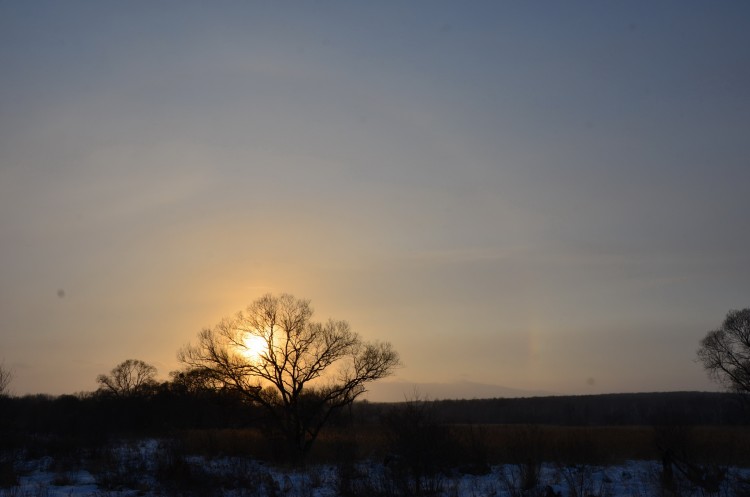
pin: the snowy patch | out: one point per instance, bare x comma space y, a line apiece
152, 468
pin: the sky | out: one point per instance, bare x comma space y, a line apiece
550, 197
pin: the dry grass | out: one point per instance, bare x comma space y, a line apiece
228, 442
499, 443
612, 444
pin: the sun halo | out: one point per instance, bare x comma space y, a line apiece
253, 346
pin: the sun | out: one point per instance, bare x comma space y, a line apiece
253, 346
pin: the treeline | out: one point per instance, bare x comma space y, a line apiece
644, 409
94, 415
418, 434
163, 410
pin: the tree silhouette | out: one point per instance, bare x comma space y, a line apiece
725, 352
129, 378
303, 372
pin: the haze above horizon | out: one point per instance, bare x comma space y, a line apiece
551, 197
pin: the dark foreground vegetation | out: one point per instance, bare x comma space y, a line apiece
207, 430
693, 436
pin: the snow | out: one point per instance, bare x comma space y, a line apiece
151, 468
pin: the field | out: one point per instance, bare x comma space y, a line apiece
216, 446
443, 460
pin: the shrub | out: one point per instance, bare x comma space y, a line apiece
8, 475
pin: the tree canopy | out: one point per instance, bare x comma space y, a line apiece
130, 377
725, 352
300, 370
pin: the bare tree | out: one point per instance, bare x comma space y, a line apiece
130, 377
725, 352
6, 376
302, 372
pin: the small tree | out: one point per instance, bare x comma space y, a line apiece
725, 352
129, 378
193, 382
300, 371
6, 376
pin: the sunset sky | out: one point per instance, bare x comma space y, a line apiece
545, 196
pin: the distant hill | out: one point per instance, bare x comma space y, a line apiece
397, 391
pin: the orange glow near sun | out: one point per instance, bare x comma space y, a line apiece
253, 346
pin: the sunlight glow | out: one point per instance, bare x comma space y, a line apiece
253, 346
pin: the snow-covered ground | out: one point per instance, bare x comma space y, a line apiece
149, 468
